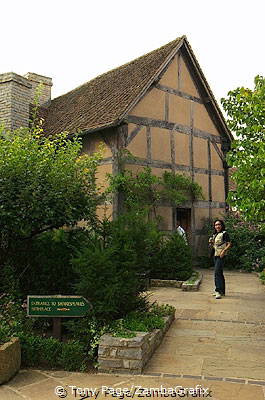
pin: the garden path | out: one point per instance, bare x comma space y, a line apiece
218, 344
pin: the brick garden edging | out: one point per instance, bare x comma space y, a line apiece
10, 359
130, 355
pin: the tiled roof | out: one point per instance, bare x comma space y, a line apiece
103, 100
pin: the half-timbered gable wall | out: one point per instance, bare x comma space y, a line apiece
170, 129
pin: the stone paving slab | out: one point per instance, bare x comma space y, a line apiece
227, 335
74, 383
217, 344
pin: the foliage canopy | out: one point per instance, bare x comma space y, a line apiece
246, 119
44, 183
146, 191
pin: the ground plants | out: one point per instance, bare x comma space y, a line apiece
262, 277
141, 321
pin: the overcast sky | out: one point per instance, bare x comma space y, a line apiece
74, 41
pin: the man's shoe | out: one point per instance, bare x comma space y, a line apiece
214, 293
218, 296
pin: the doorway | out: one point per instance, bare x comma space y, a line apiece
183, 215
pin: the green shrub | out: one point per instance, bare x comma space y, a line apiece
5, 333
262, 277
107, 278
51, 353
37, 350
172, 260
13, 318
73, 356
87, 331
112, 267
248, 244
42, 265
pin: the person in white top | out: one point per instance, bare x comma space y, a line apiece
181, 231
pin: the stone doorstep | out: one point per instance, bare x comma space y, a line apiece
193, 286
130, 355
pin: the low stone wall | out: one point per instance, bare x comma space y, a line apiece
166, 283
184, 285
129, 355
194, 285
10, 359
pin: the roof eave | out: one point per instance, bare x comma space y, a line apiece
93, 130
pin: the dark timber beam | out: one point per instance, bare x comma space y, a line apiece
178, 93
171, 126
209, 176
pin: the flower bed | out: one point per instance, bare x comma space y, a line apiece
193, 283
10, 359
130, 355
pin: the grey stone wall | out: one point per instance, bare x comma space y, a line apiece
10, 359
129, 355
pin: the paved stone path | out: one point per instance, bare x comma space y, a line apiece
214, 339
218, 344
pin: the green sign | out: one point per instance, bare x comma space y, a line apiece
57, 306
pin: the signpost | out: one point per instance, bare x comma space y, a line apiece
57, 306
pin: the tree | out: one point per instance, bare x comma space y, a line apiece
44, 183
246, 119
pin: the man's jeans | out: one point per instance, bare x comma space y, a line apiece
219, 275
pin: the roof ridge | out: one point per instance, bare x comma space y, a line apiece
177, 40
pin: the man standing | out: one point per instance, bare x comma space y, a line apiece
181, 231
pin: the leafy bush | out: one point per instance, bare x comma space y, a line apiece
173, 259
107, 278
13, 319
113, 264
262, 277
87, 331
51, 353
248, 243
5, 333
142, 236
73, 356
42, 265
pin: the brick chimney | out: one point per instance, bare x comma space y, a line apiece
17, 93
